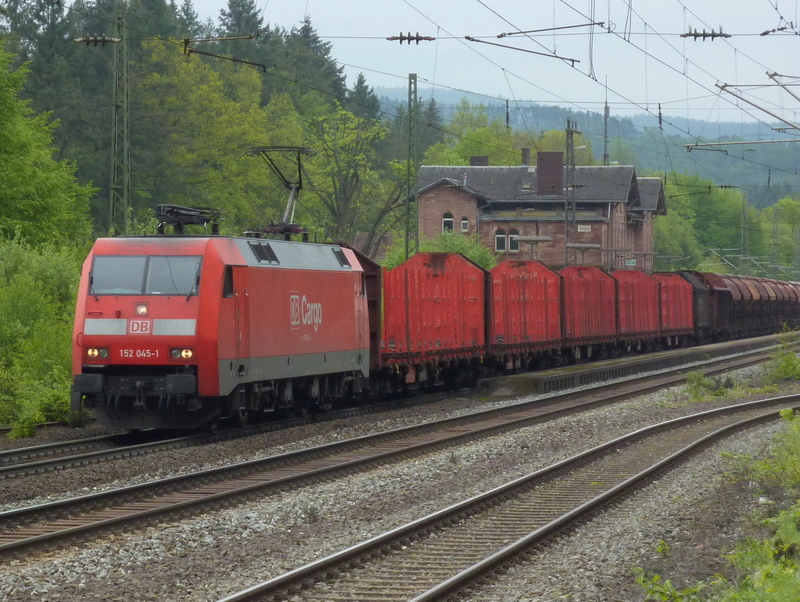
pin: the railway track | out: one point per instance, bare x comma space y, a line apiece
4, 430
441, 556
53, 523
62, 454
39, 459
57, 456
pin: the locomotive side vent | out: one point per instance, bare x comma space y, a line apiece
263, 252
342, 258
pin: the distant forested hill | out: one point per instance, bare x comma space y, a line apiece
767, 172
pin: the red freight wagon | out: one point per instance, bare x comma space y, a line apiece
677, 307
526, 307
590, 305
433, 309
637, 305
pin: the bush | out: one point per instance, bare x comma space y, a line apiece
448, 242
785, 365
768, 569
701, 387
37, 306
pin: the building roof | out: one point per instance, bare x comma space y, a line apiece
651, 195
593, 184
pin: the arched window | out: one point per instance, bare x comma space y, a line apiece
447, 222
500, 240
464, 225
513, 243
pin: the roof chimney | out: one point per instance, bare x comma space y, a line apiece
550, 172
479, 160
526, 156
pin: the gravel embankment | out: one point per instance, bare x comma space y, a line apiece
54, 434
221, 552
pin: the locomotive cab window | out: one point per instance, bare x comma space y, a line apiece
145, 275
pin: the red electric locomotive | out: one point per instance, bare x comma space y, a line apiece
179, 331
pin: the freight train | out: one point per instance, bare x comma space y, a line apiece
179, 331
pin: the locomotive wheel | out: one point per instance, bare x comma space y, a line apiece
238, 410
242, 417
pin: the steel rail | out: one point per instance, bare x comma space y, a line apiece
11, 464
88, 514
379, 551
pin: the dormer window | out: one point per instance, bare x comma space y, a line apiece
447, 222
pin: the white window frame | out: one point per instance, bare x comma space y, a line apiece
448, 217
500, 241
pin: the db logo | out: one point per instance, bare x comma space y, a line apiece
294, 310
302, 311
138, 326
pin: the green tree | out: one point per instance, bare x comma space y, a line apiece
471, 133
310, 63
556, 140
206, 119
675, 243
430, 131
240, 18
37, 305
788, 215
40, 199
345, 177
189, 20
362, 100
447, 242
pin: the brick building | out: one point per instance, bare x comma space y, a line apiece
611, 225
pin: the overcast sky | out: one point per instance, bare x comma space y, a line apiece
641, 62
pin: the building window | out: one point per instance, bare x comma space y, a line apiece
500, 240
513, 243
447, 222
464, 225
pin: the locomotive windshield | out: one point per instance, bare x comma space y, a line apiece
145, 275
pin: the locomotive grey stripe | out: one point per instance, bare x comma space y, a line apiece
282, 367
175, 327
119, 326
105, 326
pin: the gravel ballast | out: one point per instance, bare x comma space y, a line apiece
218, 553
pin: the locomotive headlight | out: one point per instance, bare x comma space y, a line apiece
97, 353
181, 354
141, 309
